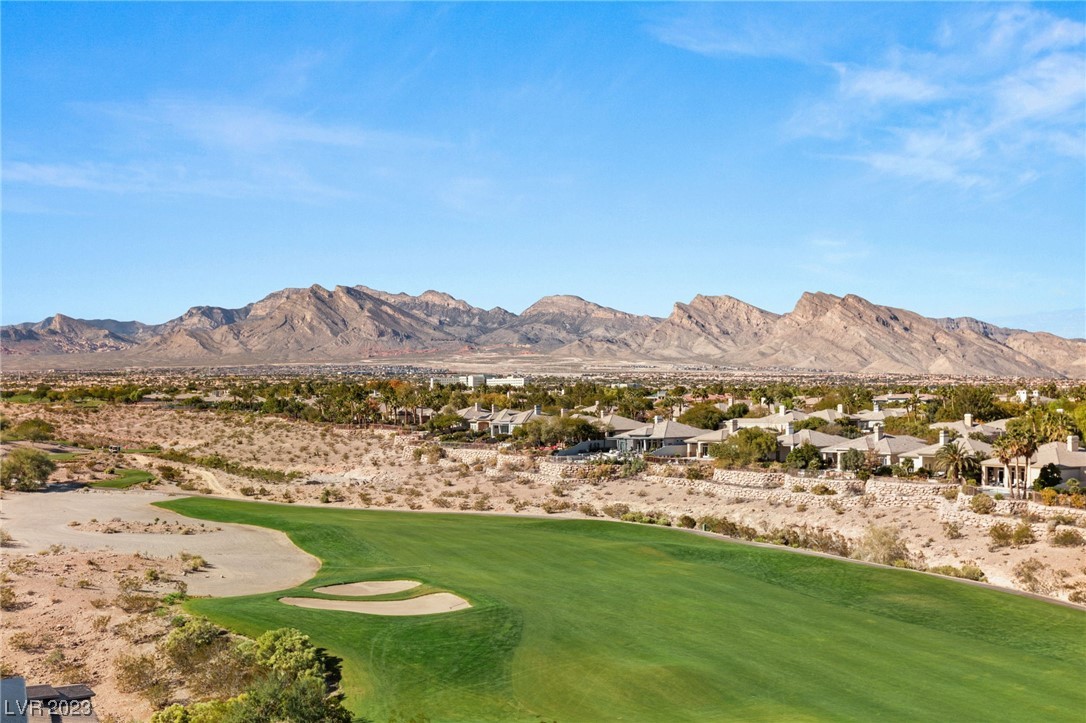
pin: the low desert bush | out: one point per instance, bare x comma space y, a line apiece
966, 572
882, 545
982, 504
1001, 534
821, 489
1023, 535
1067, 538
952, 530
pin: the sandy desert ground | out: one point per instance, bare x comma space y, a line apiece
378, 469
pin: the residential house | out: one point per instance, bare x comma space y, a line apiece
887, 448
651, 437
613, 423
777, 422
966, 427
698, 446
902, 398
477, 417
508, 420
822, 441
868, 418
831, 415
1069, 458
926, 456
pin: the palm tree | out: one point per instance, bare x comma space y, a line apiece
1004, 450
957, 460
1027, 448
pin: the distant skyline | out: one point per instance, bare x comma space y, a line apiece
930, 156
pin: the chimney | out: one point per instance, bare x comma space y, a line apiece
656, 419
477, 406
538, 409
1072, 443
840, 408
876, 431
731, 400
732, 426
790, 429
944, 437
968, 420
877, 407
562, 412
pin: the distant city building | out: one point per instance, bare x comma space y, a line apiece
505, 381
476, 381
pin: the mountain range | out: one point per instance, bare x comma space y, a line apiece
350, 323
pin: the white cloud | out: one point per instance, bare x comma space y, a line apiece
878, 85
987, 93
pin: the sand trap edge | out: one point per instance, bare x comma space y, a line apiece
432, 604
368, 587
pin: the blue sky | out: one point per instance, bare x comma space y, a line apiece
930, 156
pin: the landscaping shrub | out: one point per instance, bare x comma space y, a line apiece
1067, 538
1001, 534
821, 489
882, 545
616, 510
982, 504
1023, 535
966, 572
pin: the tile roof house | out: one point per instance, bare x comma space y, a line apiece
868, 418
1069, 458
651, 437
792, 439
507, 420
926, 456
888, 448
966, 426
778, 421
616, 423
698, 446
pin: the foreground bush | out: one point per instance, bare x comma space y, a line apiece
882, 545
966, 572
1067, 538
982, 504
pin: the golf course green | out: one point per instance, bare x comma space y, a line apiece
583, 620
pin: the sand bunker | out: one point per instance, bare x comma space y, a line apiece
438, 602
370, 587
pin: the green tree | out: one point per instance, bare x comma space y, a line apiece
25, 469
745, 447
805, 456
854, 460
1049, 476
288, 653
32, 430
957, 461
703, 416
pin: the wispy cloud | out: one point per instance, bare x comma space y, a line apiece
987, 92
248, 128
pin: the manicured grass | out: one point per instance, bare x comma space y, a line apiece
595, 621
125, 479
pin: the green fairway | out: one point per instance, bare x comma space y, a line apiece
596, 621
125, 479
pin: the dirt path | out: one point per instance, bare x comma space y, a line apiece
243, 559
